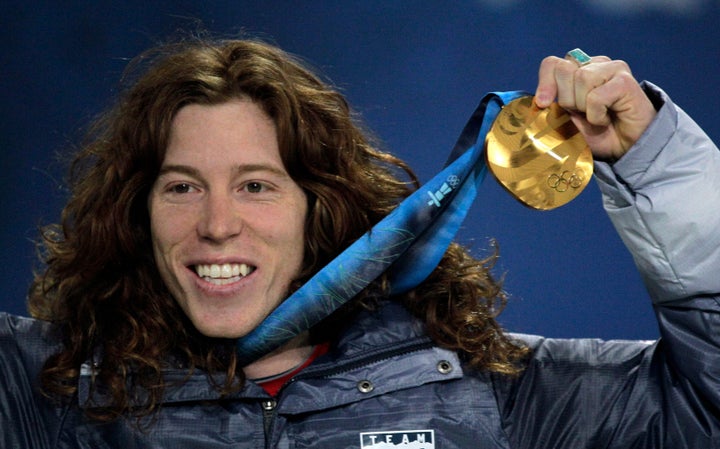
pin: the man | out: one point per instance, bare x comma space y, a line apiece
228, 174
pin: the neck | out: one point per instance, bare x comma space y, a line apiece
292, 354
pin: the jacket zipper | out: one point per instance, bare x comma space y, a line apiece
366, 360
269, 407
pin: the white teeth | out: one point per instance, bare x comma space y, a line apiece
225, 271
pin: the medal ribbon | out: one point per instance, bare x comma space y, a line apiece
408, 243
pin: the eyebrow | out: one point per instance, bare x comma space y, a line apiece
239, 169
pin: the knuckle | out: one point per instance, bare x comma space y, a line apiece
625, 78
549, 64
584, 75
549, 60
621, 68
566, 102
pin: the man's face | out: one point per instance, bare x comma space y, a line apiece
227, 221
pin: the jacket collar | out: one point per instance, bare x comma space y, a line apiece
381, 351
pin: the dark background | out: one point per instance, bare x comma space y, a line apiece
415, 71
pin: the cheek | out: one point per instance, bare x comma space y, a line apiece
286, 235
159, 237
166, 229
299, 220
158, 231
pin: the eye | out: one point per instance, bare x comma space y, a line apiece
254, 187
180, 188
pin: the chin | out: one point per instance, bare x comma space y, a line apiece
222, 333
219, 330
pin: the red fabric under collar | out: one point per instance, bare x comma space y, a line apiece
273, 386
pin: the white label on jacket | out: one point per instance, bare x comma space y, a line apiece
406, 439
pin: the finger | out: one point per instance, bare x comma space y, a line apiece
598, 86
557, 80
565, 81
588, 77
546, 90
602, 99
622, 103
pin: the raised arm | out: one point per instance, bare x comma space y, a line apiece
660, 178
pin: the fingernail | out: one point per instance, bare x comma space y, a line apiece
541, 100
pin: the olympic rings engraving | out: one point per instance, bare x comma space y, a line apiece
561, 183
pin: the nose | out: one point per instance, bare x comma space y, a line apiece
220, 219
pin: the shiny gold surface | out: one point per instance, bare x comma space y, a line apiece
538, 155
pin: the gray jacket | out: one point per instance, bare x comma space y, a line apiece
385, 384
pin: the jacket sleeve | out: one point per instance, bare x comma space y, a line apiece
22, 348
663, 197
664, 200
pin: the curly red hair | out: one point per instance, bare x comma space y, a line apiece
100, 282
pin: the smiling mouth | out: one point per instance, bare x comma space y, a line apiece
223, 274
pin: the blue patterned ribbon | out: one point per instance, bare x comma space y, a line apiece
408, 243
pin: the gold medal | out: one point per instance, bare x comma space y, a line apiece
538, 155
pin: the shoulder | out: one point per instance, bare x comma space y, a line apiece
27, 418
556, 366
27, 341
584, 351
